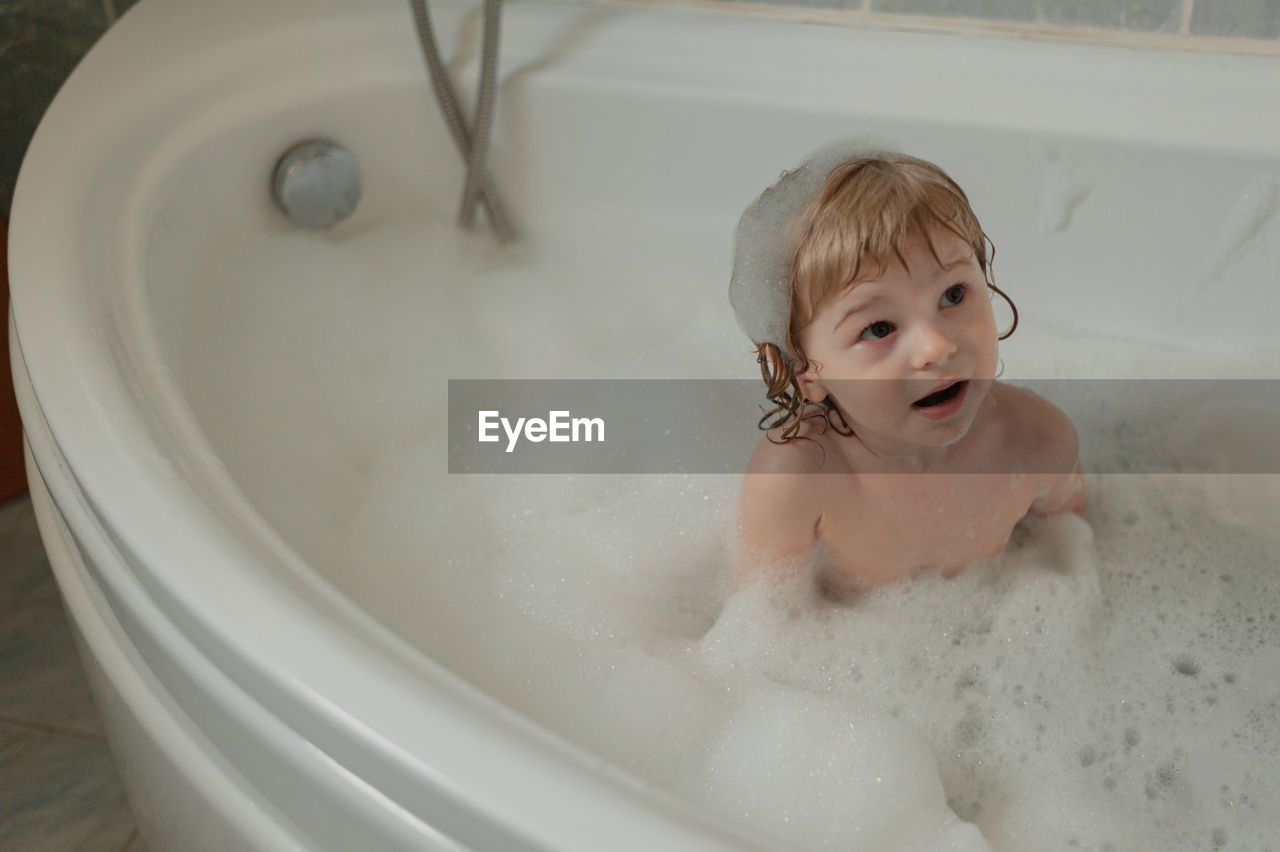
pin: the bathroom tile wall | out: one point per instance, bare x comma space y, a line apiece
1150, 15
1244, 19
1250, 18
41, 40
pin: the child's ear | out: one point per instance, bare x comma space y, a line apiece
813, 390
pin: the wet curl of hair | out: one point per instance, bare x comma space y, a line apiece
791, 408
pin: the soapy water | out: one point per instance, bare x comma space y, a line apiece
1101, 684
1106, 683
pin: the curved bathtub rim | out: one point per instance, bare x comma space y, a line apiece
138, 637
111, 442
451, 816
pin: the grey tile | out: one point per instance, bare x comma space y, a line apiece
11, 514
816, 4
24, 569
42, 681
59, 793
40, 42
62, 15
1248, 18
1145, 15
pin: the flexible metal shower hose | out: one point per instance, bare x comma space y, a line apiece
474, 148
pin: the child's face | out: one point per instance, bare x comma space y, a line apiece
886, 344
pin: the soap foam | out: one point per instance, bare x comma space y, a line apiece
1075, 692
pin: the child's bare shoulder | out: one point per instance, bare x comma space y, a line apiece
1036, 427
809, 451
782, 499
784, 473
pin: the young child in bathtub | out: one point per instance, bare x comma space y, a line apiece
864, 279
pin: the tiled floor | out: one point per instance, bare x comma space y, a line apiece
59, 789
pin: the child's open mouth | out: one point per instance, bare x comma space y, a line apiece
942, 403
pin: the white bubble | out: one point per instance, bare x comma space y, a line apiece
868, 780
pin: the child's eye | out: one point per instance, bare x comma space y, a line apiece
954, 295
877, 330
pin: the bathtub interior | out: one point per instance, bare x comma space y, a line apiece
315, 365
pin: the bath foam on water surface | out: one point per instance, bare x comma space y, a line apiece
1076, 692
1113, 691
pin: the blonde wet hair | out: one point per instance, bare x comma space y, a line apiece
866, 212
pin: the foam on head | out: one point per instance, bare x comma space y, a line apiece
767, 236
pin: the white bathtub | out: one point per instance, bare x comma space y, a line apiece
205, 390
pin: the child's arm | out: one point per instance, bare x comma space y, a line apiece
1056, 453
777, 518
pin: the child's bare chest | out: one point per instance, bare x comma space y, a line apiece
880, 527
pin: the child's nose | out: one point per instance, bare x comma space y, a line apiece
933, 346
